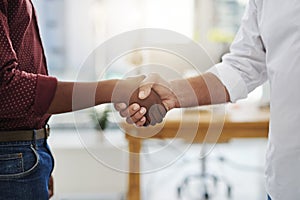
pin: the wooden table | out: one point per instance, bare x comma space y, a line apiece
221, 129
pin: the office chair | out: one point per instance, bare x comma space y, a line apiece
204, 177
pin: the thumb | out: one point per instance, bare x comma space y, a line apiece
146, 86
145, 90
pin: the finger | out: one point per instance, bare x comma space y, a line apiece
145, 90
157, 113
141, 122
138, 115
120, 106
130, 111
147, 122
154, 82
124, 113
129, 121
146, 86
154, 115
151, 118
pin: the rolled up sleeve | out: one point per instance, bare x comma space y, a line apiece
244, 68
45, 91
25, 93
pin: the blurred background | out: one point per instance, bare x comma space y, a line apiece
72, 29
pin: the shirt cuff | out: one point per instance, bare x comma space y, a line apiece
232, 80
45, 91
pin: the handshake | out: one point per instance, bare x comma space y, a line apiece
144, 100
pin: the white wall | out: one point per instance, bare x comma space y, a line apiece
78, 173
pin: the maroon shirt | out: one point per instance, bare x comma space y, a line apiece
26, 91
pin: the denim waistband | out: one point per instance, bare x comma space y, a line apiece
38, 142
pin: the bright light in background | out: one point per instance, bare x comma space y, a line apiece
123, 16
244, 2
175, 15
110, 18
87, 24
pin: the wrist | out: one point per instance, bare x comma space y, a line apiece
183, 93
105, 91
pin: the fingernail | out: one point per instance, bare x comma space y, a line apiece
142, 94
143, 119
143, 110
122, 106
135, 107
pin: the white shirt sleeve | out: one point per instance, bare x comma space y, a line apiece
244, 68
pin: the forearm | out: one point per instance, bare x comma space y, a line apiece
71, 96
205, 89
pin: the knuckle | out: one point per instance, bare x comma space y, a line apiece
124, 113
137, 117
129, 121
117, 107
120, 106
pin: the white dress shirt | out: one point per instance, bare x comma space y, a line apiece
267, 47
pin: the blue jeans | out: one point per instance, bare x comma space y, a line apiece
25, 169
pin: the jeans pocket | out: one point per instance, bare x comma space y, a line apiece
11, 163
17, 165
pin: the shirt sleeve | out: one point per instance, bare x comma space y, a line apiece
244, 68
20, 92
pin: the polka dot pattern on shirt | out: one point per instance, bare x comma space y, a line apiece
22, 62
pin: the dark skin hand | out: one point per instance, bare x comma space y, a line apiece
155, 110
126, 92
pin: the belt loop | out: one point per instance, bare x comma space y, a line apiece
47, 131
34, 140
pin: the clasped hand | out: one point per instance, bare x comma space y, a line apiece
148, 99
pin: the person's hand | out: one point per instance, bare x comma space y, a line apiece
124, 89
154, 108
152, 111
50, 187
134, 113
154, 82
162, 87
